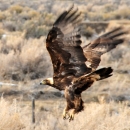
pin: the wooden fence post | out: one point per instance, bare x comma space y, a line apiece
33, 109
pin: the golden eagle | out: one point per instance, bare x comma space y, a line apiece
69, 59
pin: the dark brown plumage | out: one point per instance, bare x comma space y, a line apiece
101, 45
71, 73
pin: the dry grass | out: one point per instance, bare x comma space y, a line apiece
96, 116
11, 116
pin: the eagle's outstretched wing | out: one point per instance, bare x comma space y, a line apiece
63, 44
101, 45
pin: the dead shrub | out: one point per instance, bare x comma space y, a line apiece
109, 8
41, 31
24, 59
16, 8
10, 25
2, 16
1, 33
33, 14
87, 31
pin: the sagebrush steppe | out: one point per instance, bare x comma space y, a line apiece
24, 61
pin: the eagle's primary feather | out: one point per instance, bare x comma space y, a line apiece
71, 73
101, 45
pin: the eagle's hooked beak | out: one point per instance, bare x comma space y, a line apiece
48, 81
43, 82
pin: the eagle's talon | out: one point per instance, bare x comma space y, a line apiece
71, 117
65, 114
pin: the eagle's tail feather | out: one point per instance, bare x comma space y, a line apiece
104, 73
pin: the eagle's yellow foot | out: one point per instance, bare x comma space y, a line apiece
65, 114
71, 115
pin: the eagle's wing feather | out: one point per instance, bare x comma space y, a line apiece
63, 44
101, 45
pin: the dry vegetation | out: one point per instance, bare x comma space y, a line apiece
97, 116
25, 61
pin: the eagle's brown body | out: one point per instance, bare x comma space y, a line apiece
71, 72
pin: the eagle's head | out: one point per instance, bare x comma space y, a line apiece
48, 81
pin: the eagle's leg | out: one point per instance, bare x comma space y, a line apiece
78, 107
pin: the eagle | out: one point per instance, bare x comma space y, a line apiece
74, 66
